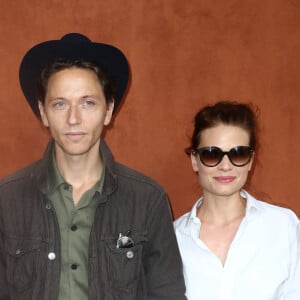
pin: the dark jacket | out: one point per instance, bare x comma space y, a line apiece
30, 242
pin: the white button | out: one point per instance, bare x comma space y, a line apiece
48, 206
51, 255
130, 254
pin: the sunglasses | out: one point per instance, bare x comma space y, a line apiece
211, 156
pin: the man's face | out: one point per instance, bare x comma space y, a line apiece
75, 111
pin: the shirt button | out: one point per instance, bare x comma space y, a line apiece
73, 227
74, 266
51, 255
130, 254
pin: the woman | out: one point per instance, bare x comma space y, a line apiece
233, 246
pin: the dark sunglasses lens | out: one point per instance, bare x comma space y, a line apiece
210, 157
240, 156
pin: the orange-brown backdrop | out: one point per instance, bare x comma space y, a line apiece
183, 54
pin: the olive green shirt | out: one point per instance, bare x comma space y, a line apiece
75, 222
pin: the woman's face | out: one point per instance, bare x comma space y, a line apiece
225, 179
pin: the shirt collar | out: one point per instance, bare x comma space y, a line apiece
252, 206
192, 215
55, 179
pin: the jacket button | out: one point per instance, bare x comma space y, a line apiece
130, 254
51, 255
48, 206
74, 267
18, 251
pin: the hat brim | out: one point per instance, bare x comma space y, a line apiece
72, 46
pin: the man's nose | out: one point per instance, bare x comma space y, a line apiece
74, 115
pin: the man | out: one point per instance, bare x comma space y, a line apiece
77, 225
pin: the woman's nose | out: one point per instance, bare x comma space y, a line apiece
225, 163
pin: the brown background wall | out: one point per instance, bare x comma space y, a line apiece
183, 54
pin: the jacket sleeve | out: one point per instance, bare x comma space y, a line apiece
3, 283
162, 262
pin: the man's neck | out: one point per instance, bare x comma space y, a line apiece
81, 169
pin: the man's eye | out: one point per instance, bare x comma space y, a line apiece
89, 102
59, 104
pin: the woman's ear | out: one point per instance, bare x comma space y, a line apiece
251, 162
194, 162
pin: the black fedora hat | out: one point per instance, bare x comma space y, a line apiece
72, 46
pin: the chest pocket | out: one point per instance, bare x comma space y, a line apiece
23, 256
125, 264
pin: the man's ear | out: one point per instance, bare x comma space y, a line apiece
109, 112
43, 114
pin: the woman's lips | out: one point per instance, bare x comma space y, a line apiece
224, 179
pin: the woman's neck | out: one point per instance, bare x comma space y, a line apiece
221, 209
